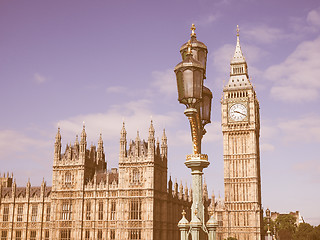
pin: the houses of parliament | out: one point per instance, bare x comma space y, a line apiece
137, 200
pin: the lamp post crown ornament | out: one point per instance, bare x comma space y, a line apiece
193, 28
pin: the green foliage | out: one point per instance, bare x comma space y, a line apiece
285, 223
307, 232
231, 238
287, 229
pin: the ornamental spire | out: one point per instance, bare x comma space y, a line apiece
58, 136
239, 77
83, 133
238, 56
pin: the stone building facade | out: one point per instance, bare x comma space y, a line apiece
86, 201
135, 201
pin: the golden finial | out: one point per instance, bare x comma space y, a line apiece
193, 27
238, 30
184, 213
189, 47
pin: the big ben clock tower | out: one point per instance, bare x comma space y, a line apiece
241, 130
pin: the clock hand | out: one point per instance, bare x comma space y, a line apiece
240, 113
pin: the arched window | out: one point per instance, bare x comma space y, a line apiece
136, 176
68, 178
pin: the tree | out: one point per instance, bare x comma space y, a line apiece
307, 232
286, 226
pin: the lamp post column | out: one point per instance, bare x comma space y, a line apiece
197, 98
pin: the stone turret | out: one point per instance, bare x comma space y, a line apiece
186, 193
83, 145
76, 144
205, 191
175, 190
123, 143
28, 189
151, 141
170, 186
101, 164
57, 146
137, 145
164, 145
181, 191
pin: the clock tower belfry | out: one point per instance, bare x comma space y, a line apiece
241, 131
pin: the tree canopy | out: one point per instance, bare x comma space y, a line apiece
286, 228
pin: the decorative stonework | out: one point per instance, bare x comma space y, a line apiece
132, 202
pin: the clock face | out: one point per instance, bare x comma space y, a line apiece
238, 112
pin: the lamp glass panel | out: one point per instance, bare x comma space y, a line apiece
180, 86
198, 82
188, 83
202, 57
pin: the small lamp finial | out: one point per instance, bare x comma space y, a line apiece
189, 48
238, 30
193, 28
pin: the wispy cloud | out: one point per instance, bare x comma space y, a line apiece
136, 114
298, 75
13, 141
38, 78
313, 17
305, 129
264, 34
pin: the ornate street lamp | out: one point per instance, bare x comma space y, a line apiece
190, 74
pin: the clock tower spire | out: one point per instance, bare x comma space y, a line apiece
241, 131
239, 77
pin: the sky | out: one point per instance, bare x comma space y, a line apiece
104, 62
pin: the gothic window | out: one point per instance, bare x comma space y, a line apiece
48, 212
65, 234
66, 210
220, 220
112, 234
136, 176
33, 235
20, 213
87, 235
99, 234
5, 217
100, 213
4, 234
135, 209
18, 234
88, 211
34, 213
113, 210
68, 178
135, 234
46, 234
